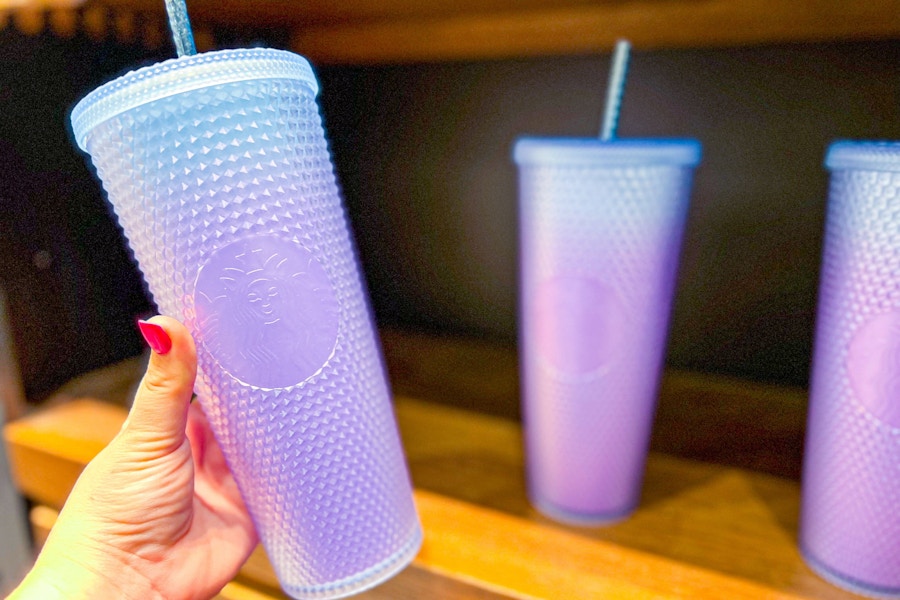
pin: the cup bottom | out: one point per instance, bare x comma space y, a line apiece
848, 583
563, 515
363, 581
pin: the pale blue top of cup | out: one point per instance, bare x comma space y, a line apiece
619, 152
185, 74
863, 155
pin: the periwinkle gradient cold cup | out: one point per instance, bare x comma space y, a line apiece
850, 513
601, 225
217, 167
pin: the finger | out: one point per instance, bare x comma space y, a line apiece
199, 434
213, 477
208, 455
164, 394
214, 484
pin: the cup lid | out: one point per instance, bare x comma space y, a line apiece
184, 74
863, 155
607, 153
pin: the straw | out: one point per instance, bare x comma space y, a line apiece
181, 27
615, 90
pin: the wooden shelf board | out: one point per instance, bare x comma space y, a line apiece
360, 32
580, 28
700, 528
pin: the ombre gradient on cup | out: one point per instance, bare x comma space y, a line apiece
217, 168
850, 512
601, 224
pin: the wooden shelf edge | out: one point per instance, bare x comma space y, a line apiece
403, 31
511, 554
518, 558
590, 28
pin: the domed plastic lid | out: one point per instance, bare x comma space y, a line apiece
866, 156
608, 153
185, 74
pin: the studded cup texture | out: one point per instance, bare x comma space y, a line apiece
227, 196
600, 231
850, 517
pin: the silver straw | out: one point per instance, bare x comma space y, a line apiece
180, 25
615, 90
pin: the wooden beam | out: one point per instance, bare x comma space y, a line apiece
397, 31
581, 28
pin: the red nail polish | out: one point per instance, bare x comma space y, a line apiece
156, 337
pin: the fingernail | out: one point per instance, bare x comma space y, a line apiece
156, 337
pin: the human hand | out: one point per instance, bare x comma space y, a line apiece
157, 513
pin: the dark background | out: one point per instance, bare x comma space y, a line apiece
423, 154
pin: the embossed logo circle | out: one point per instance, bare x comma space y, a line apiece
578, 322
873, 365
266, 311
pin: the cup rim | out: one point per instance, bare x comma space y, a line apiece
533, 150
184, 74
863, 155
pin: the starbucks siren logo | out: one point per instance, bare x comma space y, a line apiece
266, 311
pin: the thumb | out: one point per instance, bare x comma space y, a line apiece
159, 412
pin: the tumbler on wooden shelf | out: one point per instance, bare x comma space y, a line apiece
601, 224
850, 514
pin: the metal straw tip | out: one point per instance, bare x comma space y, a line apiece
615, 89
180, 25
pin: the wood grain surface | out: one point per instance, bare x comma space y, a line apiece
702, 530
359, 32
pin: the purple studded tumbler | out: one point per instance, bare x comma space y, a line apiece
217, 168
601, 224
850, 516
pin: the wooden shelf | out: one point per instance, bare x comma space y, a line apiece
363, 32
704, 529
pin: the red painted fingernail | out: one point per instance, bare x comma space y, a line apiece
156, 337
